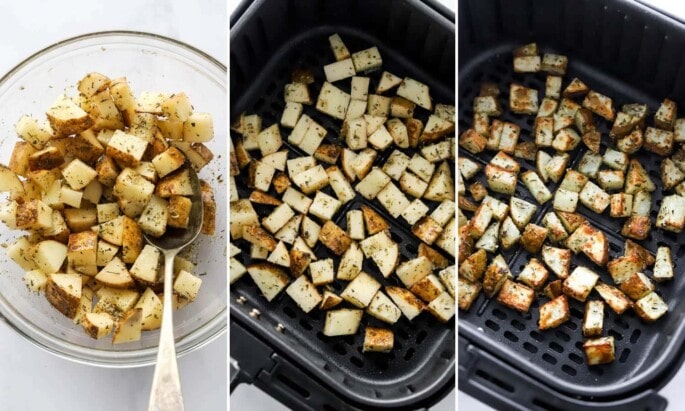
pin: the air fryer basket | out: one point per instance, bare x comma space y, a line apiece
299, 366
632, 54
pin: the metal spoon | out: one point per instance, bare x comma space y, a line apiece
166, 385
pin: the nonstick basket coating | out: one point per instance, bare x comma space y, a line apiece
420, 369
625, 51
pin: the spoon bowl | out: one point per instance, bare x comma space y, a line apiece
165, 394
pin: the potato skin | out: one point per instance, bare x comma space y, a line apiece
63, 302
209, 206
334, 238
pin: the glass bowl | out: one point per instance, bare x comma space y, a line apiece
151, 63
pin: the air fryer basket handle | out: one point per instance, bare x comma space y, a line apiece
503, 387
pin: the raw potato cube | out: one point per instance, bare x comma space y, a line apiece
97, 325
637, 286
332, 101
278, 218
324, 206
36, 280
535, 186
468, 292
416, 92
67, 118
82, 249
402, 108
329, 300
338, 48
650, 307
594, 198
269, 140
658, 141
342, 188
406, 301
297, 93
128, 328
361, 290
146, 266
671, 215
270, 279
291, 114
304, 293
63, 291
523, 100
179, 211
126, 149
394, 200
600, 105
565, 200
442, 307
243, 214
679, 130
397, 163
664, 118
372, 183
355, 225
415, 211
256, 235
554, 313
599, 351
155, 216
663, 266
78, 174
516, 296
339, 70
33, 215
580, 283
344, 321
378, 340
115, 275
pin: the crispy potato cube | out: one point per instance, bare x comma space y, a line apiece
580, 283
663, 265
468, 293
665, 116
658, 141
593, 322
621, 205
594, 198
637, 178
614, 297
535, 186
557, 259
554, 313
533, 237
523, 100
334, 238
600, 105
599, 350
650, 307
516, 296
554, 64
637, 227
671, 215
637, 286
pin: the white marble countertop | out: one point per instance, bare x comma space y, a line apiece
31, 379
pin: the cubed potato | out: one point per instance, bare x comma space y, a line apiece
637, 227
360, 88
556, 166
671, 175
554, 313
516, 296
344, 321
361, 290
671, 215
665, 116
611, 179
334, 238
468, 293
637, 178
523, 100
599, 350
614, 297
580, 283
554, 64
565, 200
594, 198
406, 301
324, 206
631, 143
63, 291
270, 279
558, 260
533, 237
637, 286
658, 141
600, 105
650, 307
621, 205
179, 183
663, 265
329, 300
126, 149
535, 186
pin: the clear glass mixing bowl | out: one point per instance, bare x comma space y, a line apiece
151, 63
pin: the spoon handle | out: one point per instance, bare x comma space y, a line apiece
166, 385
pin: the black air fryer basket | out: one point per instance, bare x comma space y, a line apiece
631, 53
298, 365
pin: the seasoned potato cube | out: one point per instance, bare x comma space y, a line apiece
270, 279
67, 118
671, 215
32, 215
468, 293
665, 116
554, 64
637, 286
533, 237
594, 198
535, 186
523, 100
565, 200
600, 105
580, 283
573, 181
621, 205
297, 93
373, 221
334, 238
534, 274
343, 321
599, 350
126, 149
671, 175
361, 290
663, 266
650, 307
63, 291
623, 267
442, 307
566, 140
405, 301
658, 141
557, 259
614, 297
555, 229
168, 161
556, 166
637, 227
521, 211
554, 313
378, 340
631, 143
589, 165
78, 174
516, 296
615, 159
611, 179
593, 322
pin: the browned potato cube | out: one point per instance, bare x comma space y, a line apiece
554, 313
334, 238
665, 116
468, 292
209, 207
177, 183
636, 227
373, 221
437, 259
614, 298
472, 142
474, 266
179, 211
46, 159
107, 171
281, 182
553, 289
427, 229
523, 100
63, 291
600, 105
378, 340
516, 296
533, 237
633, 248
599, 350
